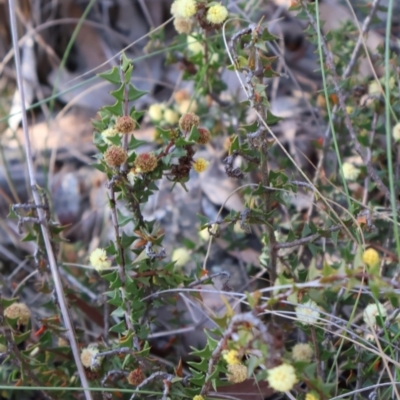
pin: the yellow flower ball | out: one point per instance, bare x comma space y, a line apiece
311, 396
181, 256
217, 14
282, 378
396, 132
183, 8
237, 373
372, 311
198, 397
187, 105
194, 45
374, 88
171, 117
99, 260
231, 357
371, 257
20, 311
156, 111
350, 172
307, 313
106, 134
302, 352
200, 165
87, 355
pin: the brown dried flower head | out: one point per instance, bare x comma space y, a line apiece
146, 162
20, 311
188, 121
204, 135
183, 25
115, 156
136, 377
125, 124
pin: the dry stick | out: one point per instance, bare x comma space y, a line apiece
260, 135
149, 379
247, 318
41, 212
349, 125
307, 239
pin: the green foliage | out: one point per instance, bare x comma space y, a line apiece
321, 284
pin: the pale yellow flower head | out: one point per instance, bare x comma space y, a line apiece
87, 355
350, 172
20, 311
188, 105
171, 117
217, 14
194, 45
156, 111
232, 357
183, 8
282, 378
198, 397
181, 256
396, 132
307, 313
302, 352
372, 311
106, 134
371, 257
374, 88
311, 396
200, 165
99, 260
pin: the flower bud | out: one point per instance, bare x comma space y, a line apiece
204, 135
146, 162
125, 124
136, 377
115, 156
188, 121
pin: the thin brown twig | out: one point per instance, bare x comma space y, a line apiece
153, 376
41, 213
259, 138
239, 319
307, 239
